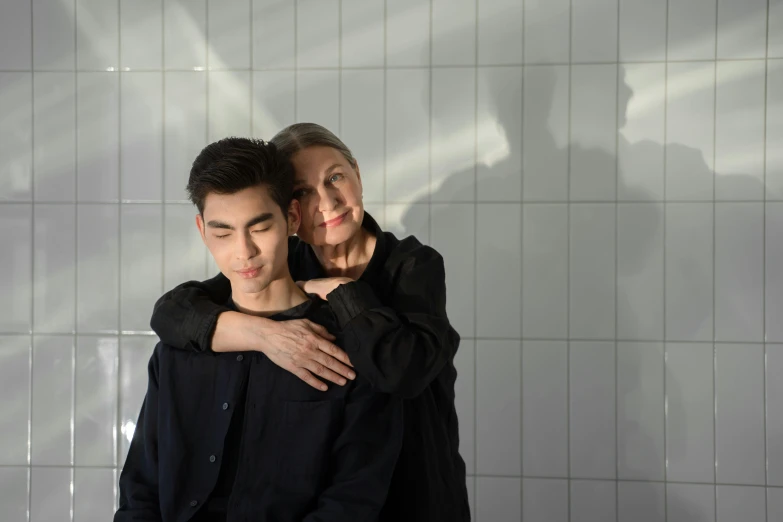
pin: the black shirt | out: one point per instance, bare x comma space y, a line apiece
303, 455
397, 334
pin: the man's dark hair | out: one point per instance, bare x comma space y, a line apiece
234, 164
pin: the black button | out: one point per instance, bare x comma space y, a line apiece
193, 503
212, 458
240, 357
225, 405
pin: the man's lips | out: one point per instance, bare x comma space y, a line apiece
248, 273
334, 222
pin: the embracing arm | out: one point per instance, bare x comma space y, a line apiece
399, 348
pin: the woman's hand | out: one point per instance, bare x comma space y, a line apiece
322, 287
299, 346
302, 347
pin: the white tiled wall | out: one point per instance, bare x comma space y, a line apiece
604, 179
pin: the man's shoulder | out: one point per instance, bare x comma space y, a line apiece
320, 312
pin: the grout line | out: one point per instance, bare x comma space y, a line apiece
296, 61
252, 71
568, 253
340, 68
32, 262
714, 263
122, 75
664, 209
385, 101
616, 270
521, 261
764, 272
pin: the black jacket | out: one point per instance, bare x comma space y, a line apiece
398, 336
303, 455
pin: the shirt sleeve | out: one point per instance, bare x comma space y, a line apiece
139, 495
185, 317
403, 347
363, 458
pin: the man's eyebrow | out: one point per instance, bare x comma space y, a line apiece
266, 216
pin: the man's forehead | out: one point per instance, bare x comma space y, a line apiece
240, 206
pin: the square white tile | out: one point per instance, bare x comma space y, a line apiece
739, 131
403, 220
17, 275
97, 136
54, 135
499, 134
692, 26
545, 409
465, 389
185, 34
642, 30
141, 264
274, 102
183, 251
689, 271
739, 272
545, 133
97, 37
15, 375
774, 504
95, 415
593, 500
15, 35
498, 499
774, 129
544, 500
641, 123
230, 104
498, 408
453, 236
362, 126
454, 32
16, 127
547, 31
51, 490
739, 414
93, 494
97, 272
500, 25
228, 27
141, 35
592, 420
742, 29
592, 278
545, 271
741, 503
407, 135
470, 482
641, 502
775, 29
54, 35
690, 129
141, 136
14, 493
593, 149
499, 270
594, 31
689, 413
318, 98
774, 414
689, 502
362, 29
185, 131
274, 33
640, 265
408, 33
640, 411
453, 138
318, 33
52, 405
54, 269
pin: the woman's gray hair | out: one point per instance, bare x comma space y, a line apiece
300, 136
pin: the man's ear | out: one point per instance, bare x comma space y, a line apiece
201, 227
294, 217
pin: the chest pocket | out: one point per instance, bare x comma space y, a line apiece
308, 432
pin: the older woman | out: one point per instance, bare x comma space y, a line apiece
389, 297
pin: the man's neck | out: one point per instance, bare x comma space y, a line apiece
280, 295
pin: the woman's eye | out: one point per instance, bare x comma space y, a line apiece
299, 193
335, 178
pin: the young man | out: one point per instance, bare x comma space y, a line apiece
233, 436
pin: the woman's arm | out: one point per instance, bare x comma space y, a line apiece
194, 316
400, 348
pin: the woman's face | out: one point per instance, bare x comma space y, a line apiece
329, 191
